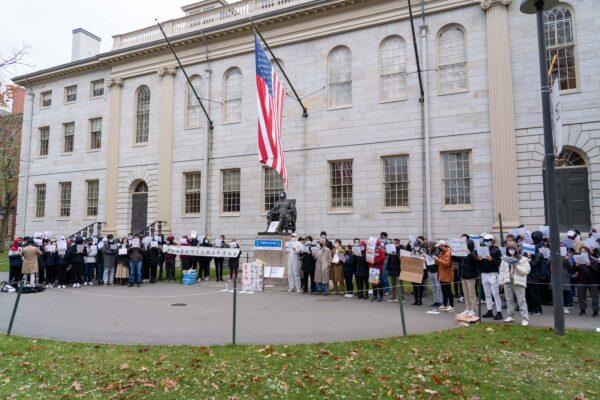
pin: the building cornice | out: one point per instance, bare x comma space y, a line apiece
274, 19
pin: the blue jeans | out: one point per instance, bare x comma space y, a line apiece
385, 282
323, 287
88, 272
135, 269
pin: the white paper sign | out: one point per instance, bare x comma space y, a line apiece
336, 259
273, 226
590, 243
510, 260
123, 251
581, 259
154, 243
193, 234
563, 251
483, 251
277, 272
429, 260
458, 248
503, 251
165, 248
545, 231
528, 248
357, 250
545, 252
405, 253
135, 243
182, 240
390, 249
252, 277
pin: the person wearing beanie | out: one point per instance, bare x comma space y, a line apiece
75, 257
170, 260
109, 260
489, 267
15, 261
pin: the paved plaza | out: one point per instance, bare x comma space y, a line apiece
147, 315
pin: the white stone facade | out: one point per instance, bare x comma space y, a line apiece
364, 132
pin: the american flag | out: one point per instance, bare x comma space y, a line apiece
270, 94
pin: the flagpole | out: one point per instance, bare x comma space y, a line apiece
304, 110
210, 122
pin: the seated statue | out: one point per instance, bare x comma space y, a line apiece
283, 211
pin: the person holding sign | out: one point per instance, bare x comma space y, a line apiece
588, 273
61, 263
220, 243
375, 272
337, 265
89, 262
204, 262
469, 279
234, 262
136, 257
362, 268
393, 267
293, 259
109, 260
513, 276
75, 257
30, 261
15, 261
446, 274
308, 262
324, 256
489, 264
122, 274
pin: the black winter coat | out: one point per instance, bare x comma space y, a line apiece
486, 265
307, 260
469, 266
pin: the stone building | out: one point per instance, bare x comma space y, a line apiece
118, 137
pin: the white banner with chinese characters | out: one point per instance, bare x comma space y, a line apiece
204, 251
252, 277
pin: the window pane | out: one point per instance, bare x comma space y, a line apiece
44, 140
395, 181
393, 68
231, 190
95, 133
92, 198
273, 185
71, 93
457, 178
341, 183
142, 114
40, 200
97, 88
192, 192
194, 111
65, 199
69, 137
558, 25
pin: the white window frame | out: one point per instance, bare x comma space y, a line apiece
64, 137
40, 129
395, 208
61, 200
330, 205
222, 205
66, 99
40, 215
265, 171
450, 207
101, 82
402, 74
193, 108
194, 191
577, 87
137, 114
444, 29
43, 98
330, 102
90, 133
87, 198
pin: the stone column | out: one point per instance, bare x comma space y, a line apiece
502, 119
165, 157
112, 158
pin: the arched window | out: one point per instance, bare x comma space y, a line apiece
141, 187
340, 77
392, 68
452, 60
569, 158
560, 43
142, 114
233, 96
193, 109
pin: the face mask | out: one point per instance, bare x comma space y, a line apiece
583, 252
511, 252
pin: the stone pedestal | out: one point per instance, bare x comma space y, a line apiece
274, 256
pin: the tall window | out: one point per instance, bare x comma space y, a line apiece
97, 88
68, 137
142, 114
340, 77
71, 94
452, 60
273, 185
44, 140
46, 99
65, 199
194, 111
192, 192
95, 133
395, 181
92, 197
40, 200
340, 181
233, 95
392, 57
231, 190
457, 178
560, 43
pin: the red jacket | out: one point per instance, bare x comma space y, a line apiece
379, 259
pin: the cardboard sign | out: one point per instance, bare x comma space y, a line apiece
252, 277
411, 269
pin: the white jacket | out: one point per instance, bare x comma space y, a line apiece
520, 272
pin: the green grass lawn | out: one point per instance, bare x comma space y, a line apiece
3, 261
499, 362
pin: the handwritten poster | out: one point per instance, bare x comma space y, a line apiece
252, 277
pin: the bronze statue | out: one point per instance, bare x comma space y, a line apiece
283, 211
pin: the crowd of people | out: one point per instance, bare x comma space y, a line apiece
106, 261
519, 267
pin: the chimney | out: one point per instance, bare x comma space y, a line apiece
18, 99
85, 44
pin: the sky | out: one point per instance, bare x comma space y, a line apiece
46, 26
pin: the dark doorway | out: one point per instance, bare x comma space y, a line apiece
572, 192
139, 207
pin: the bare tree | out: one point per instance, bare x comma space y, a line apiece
10, 151
8, 62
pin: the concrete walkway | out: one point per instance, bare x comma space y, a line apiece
146, 315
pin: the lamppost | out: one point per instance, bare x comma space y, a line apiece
538, 7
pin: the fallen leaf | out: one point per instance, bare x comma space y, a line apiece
457, 390
144, 369
168, 383
488, 329
76, 386
368, 370
436, 379
123, 367
329, 381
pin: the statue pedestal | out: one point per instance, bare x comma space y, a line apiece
269, 248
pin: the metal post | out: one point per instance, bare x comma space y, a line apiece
550, 198
400, 297
14, 312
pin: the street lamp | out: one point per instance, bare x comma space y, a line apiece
538, 7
